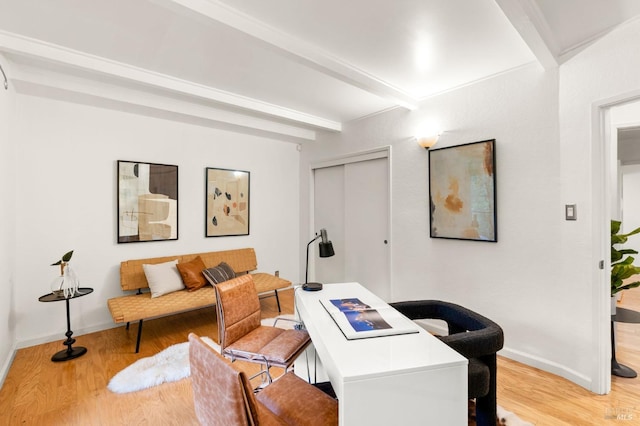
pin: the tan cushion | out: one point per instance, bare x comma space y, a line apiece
191, 273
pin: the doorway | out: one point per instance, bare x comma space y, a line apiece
607, 117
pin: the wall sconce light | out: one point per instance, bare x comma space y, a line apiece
427, 142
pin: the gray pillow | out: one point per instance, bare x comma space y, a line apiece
222, 272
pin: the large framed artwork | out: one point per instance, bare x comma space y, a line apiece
147, 202
227, 203
462, 192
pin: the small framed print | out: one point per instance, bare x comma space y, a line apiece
227, 202
147, 202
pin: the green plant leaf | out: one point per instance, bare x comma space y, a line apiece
67, 256
622, 267
629, 286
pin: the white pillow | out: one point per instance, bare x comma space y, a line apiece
163, 278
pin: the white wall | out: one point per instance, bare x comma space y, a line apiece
7, 224
541, 281
631, 205
627, 194
604, 73
515, 281
65, 171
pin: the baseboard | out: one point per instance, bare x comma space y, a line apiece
548, 366
439, 327
61, 336
7, 365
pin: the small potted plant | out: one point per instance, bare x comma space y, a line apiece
622, 266
67, 283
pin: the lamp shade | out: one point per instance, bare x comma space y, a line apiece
326, 249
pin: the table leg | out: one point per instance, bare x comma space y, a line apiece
70, 352
616, 368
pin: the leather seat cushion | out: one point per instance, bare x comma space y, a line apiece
276, 344
296, 402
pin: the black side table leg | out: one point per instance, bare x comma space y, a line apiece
616, 368
70, 352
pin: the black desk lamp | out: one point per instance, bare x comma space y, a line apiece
326, 250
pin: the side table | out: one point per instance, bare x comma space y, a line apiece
628, 316
70, 352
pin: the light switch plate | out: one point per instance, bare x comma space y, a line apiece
570, 212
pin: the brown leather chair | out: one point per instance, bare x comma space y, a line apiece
223, 395
240, 334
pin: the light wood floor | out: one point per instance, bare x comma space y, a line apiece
40, 392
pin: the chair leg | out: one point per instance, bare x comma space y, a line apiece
486, 405
139, 335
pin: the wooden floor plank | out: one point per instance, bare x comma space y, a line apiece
40, 392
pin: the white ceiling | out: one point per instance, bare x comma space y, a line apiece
312, 64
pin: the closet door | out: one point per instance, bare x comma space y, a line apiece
329, 214
351, 201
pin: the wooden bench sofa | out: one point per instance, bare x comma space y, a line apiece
140, 306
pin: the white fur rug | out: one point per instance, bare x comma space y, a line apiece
508, 418
169, 365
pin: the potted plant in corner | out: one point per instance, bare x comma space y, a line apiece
622, 266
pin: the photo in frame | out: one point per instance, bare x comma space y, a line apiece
147, 202
227, 202
462, 192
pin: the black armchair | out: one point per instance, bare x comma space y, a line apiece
476, 338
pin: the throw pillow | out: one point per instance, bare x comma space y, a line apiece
222, 272
163, 278
191, 273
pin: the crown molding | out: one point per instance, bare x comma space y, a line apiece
103, 68
302, 51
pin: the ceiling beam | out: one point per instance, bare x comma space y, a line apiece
302, 51
528, 20
31, 48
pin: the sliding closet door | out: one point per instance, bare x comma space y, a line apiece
351, 201
366, 223
329, 214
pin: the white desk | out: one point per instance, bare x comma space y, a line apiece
410, 379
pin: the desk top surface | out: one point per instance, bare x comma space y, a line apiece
370, 357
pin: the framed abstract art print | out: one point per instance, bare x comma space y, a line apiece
227, 202
147, 202
462, 192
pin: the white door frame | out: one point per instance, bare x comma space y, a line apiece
602, 167
373, 154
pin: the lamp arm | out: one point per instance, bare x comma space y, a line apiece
306, 275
